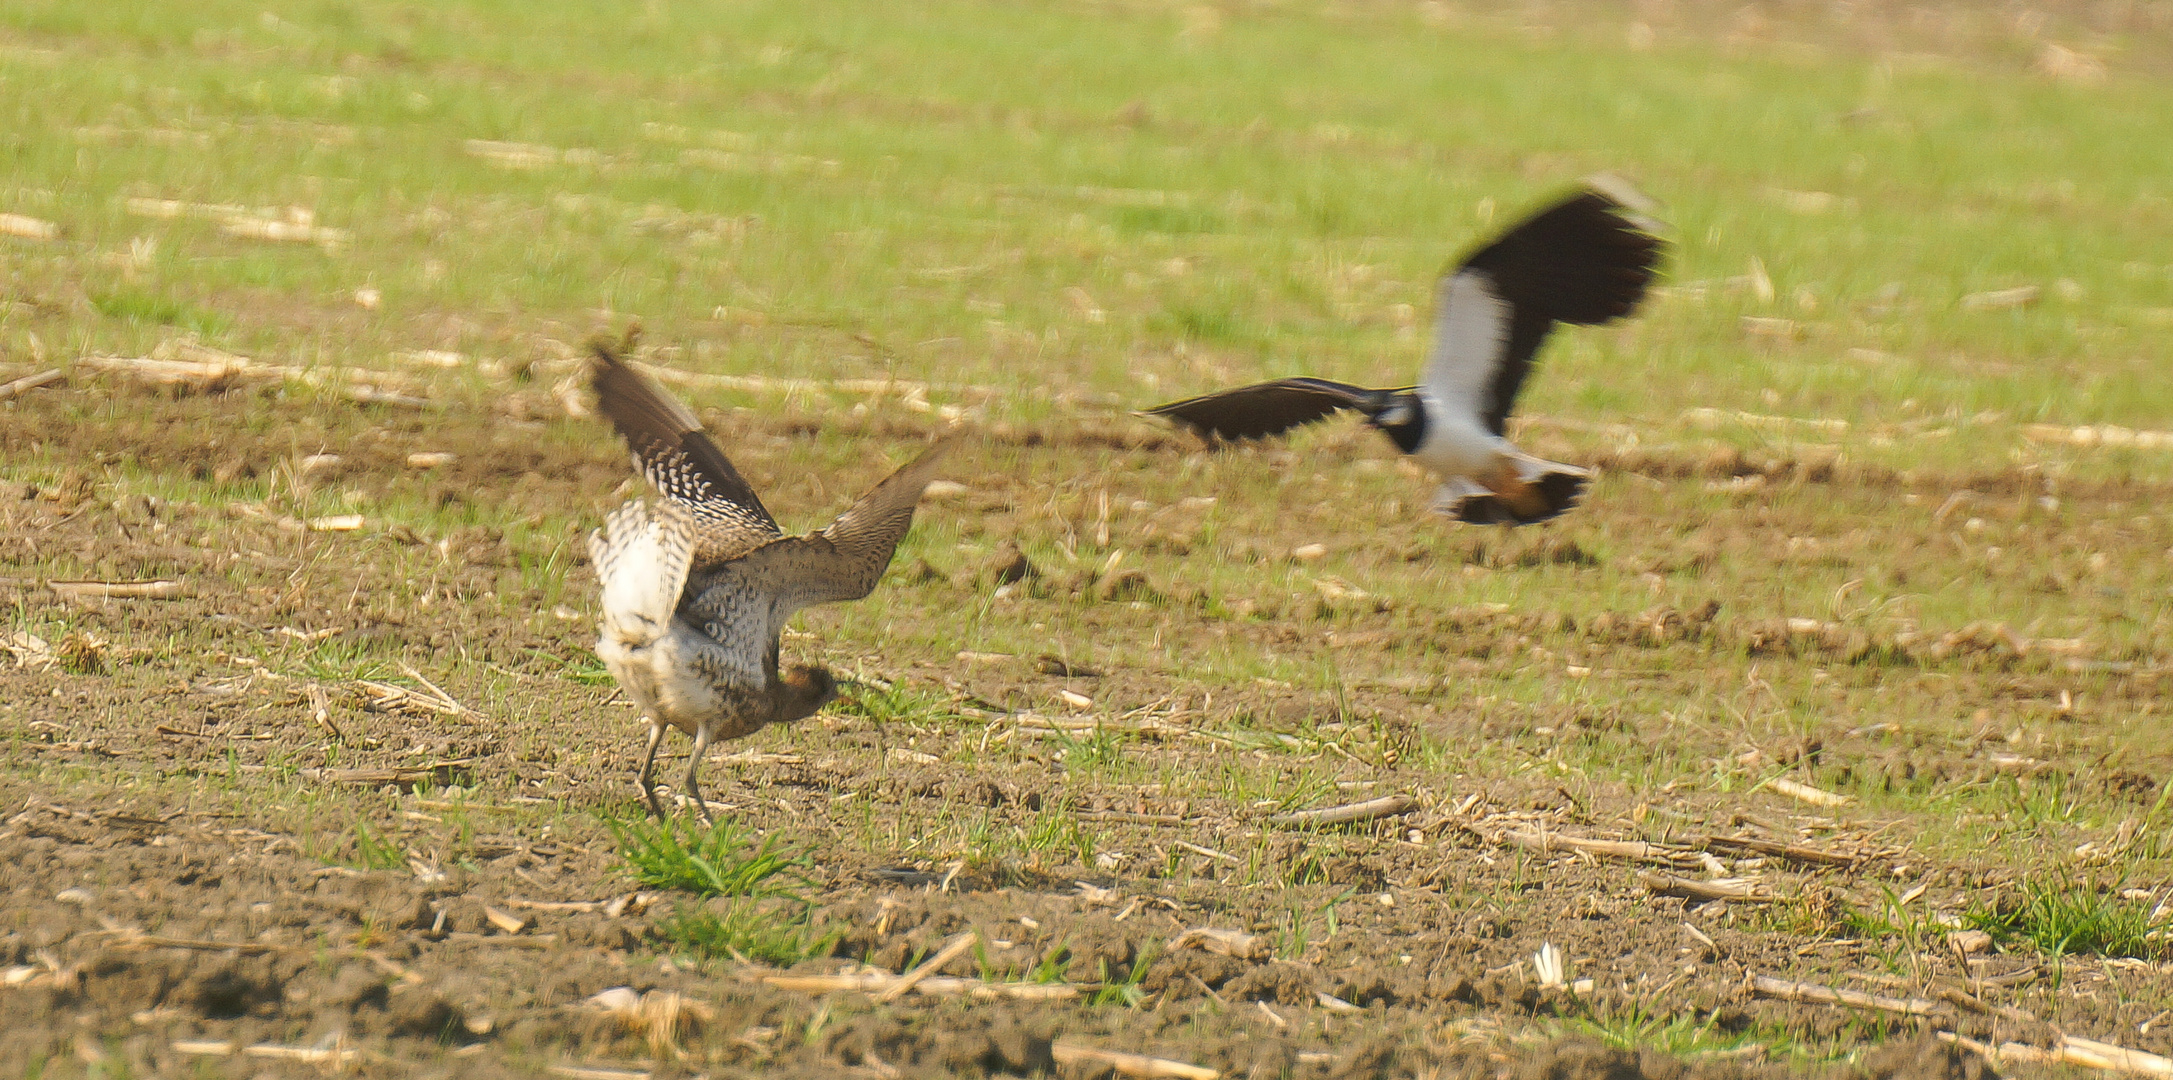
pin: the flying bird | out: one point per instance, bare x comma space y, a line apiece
1584, 260
697, 586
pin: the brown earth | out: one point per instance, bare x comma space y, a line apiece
190, 845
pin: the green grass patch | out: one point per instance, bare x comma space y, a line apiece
2064, 918
707, 860
372, 853
153, 310
1125, 991
582, 667
895, 704
756, 911
1680, 1034
750, 931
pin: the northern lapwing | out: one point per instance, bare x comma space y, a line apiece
1587, 259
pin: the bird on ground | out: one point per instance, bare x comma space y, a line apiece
697, 586
1586, 260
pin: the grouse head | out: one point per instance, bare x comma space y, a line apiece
806, 689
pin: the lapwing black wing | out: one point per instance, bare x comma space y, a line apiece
1271, 408
698, 586
1585, 259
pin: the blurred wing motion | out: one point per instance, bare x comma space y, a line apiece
676, 455
1270, 408
847, 558
1585, 260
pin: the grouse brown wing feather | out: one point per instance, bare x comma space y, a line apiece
678, 457
846, 559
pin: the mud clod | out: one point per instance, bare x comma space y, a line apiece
1278, 983
225, 989
1005, 1046
1174, 974
1925, 1058
1009, 565
423, 1014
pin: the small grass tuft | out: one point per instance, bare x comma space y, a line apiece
1680, 1034
748, 931
1125, 991
139, 307
1101, 751
897, 704
707, 860
2070, 917
372, 853
582, 668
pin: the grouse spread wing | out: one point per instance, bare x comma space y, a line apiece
847, 558
678, 457
1269, 408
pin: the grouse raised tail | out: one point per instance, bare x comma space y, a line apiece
697, 587
1584, 260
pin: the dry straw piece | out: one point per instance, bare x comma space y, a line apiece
1633, 850
2071, 1051
613, 907
160, 589
1726, 889
29, 228
2001, 299
593, 1072
312, 1055
1775, 850
1139, 1065
188, 365
950, 952
1235, 943
282, 223
1371, 809
1813, 993
659, 1015
30, 382
2099, 435
201, 375
879, 982
1807, 793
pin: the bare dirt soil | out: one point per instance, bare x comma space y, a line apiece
227, 852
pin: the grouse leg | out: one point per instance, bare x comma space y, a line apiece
648, 767
694, 765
